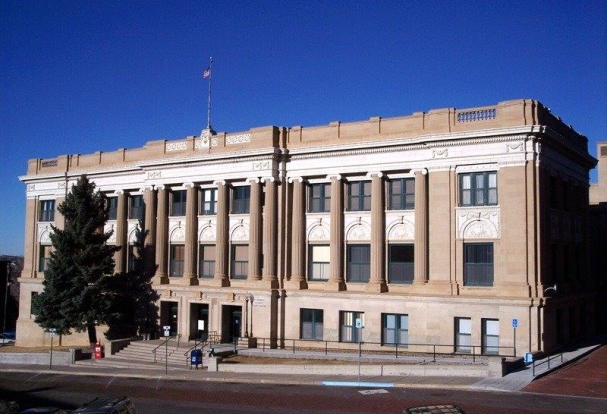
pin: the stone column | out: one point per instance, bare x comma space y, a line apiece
421, 227
162, 224
377, 281
191, 233
298, 233
270, 234
121, 233
337, 233
255, 231
222, 238
149, 230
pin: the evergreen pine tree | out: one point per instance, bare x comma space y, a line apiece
74, 295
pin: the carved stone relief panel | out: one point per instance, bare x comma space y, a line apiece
207, 230
478, 223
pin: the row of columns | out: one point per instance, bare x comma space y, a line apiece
262, 229
377, 280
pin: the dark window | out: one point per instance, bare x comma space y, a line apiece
112, 208
136, 207
463, 335
319, 262
359, 196
45, 256
206, 262
491, 336
240, 261
478, 189
402, 194
478, 264
395, 329
311, 325
400, 263
319, 198
350, 326
241, 198
177, 258
358, 262
178, 203
209, 201
47, 210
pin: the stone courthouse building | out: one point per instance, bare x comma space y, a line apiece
460, 228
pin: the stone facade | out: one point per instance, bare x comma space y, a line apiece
441, 228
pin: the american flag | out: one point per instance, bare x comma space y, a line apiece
207, 73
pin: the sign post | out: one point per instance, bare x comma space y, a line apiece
359, 326
514, 326
52, 331
167, 334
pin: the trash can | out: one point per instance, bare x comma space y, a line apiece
99, 351
195, 358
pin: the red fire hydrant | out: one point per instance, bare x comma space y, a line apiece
99, 351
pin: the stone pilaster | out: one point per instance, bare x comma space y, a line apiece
255, 224
420, 275
191, 232
377, 281
149, 230
121, 234
222, 245
270, 232
162, 235
298, 250
337, 233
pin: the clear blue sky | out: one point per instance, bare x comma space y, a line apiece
85, 76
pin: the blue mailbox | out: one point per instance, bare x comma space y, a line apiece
195, 357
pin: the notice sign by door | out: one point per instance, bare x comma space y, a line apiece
200, 325
167, 330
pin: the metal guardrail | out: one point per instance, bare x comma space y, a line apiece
212, 338
374, 348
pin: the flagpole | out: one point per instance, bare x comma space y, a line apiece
209, 105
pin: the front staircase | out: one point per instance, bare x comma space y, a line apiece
155, 352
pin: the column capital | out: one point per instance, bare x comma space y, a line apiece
336, 176
424, 171
252, 180
119, 192
217, 183
145, 188
160, 186
189, 185
269, 178
293, 179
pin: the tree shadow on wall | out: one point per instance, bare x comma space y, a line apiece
131, 309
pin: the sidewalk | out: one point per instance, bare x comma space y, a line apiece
513, 382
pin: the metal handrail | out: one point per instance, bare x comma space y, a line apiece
211, 338
383, 348
178, 336
547, 361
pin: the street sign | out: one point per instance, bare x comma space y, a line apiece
52, 331
167, 330
514, 323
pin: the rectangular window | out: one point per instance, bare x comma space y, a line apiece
177, 258
47, 210
395, 329
463, 335
359, 196
400, 263
136, 207
241, 199
491, 336
208, 206
478, 264
319, 262
358, 259
134, 260
178, 203
402, 194
240, 261
478, 189
112, 208
319, 198
351, 325
311, 321
206, 261
45, 256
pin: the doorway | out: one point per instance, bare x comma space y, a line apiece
169, 316
199, 321
231, 323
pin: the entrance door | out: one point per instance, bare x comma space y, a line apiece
169, 316
199, 321
231, 323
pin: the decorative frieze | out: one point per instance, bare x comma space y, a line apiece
238, 139
318, 229
401, 229
262, 165
478, 223
478, 115
176, 146
358, 230
44, 232
208, 230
